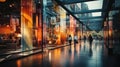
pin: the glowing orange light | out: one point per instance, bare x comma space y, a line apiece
39, 34
50, 42
57, 54
19, 63
2, 0
5, 30
26, 22
110, 32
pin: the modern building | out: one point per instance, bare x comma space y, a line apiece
32, 26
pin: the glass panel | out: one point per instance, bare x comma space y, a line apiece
84, 6
95, 4
21, 23
89, 15
96, 14
10, 33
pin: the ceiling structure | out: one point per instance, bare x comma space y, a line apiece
90, 13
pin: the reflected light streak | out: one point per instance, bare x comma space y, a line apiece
72, 57
14, 51
23, 54
57, 54
26, 24
49, 56
27, 36
18, 63
27, 17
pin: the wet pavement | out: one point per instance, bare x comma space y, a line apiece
16, 54
81, 55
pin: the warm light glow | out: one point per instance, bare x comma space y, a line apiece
10, 5
39, 34
57, 33
27, 17
18, 63
72, 26
58, 41
26, 24
62, 25
57, 54
37, 22
2, 0
50, 42
50, 56
110, 33
19, 35
6, 30
8, 26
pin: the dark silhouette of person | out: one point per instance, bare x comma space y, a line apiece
84, 38
70, 39
90, 40
75, 39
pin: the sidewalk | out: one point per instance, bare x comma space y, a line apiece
16, 54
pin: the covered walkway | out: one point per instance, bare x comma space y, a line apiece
46, 25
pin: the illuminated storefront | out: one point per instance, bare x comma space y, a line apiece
34, 27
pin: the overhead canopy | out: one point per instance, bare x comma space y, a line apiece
91, 13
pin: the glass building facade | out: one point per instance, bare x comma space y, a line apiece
37, 24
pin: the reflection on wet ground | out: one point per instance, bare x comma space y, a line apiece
81, 55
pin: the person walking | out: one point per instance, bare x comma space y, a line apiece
84, 38
75, 39
70, 39
90, 40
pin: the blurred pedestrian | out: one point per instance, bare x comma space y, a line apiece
90, 40
75, 39
70, 39
84, 38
